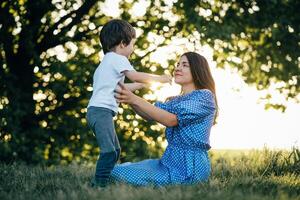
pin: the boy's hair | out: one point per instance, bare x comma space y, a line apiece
114, 32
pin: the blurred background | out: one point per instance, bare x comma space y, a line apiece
50, 49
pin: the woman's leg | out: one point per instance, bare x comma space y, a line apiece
144, 173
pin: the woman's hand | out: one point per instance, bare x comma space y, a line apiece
124, 95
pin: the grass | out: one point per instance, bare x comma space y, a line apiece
261, 175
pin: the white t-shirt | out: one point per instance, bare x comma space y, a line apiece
105, 80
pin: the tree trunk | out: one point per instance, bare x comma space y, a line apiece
21, 104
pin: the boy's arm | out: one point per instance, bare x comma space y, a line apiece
142, 77
134, 86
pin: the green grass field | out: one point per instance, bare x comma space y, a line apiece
254, 174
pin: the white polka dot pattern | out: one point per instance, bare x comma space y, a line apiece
185, 160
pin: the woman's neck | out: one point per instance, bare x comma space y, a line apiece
188, 88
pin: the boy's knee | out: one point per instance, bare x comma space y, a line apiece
118, 153
110, 157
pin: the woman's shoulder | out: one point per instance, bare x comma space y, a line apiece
171, 98
200, 94
205, 93
199, 97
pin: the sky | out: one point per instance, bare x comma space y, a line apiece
243, 122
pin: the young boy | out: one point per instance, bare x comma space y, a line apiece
117, 38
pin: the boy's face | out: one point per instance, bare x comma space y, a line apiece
127, 50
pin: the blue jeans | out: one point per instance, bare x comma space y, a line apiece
100, 120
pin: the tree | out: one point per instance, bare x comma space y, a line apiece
259, 38
33, 90
48, 54
50, 49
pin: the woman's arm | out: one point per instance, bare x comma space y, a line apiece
132, 87
164, 117
156, 114
141, 113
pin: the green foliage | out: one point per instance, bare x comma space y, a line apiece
48, 63
49, 51
260, 38
236, 175
258, 163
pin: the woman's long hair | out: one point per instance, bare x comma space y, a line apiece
201, 75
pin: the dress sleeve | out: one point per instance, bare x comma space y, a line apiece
193, 110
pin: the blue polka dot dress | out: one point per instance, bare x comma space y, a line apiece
185, 160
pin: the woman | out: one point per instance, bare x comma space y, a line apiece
188, 118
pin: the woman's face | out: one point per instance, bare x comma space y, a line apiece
182, 73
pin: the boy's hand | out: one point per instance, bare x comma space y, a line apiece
166, 78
